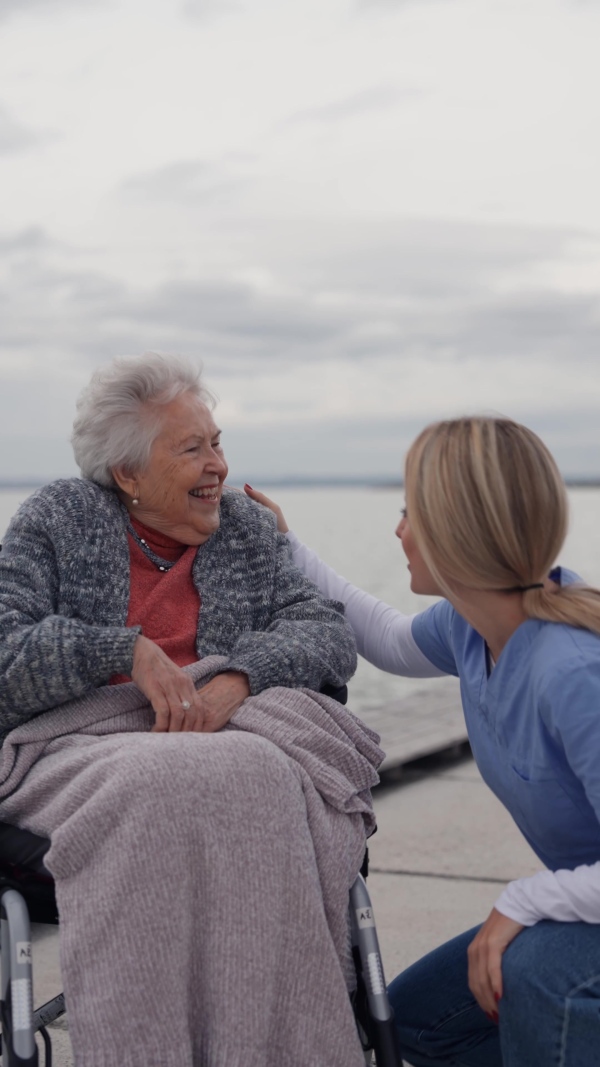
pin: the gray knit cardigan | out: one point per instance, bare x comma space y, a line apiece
64, 596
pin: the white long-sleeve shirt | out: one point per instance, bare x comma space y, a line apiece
383, 634
384, 638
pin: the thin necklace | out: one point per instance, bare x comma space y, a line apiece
160, 563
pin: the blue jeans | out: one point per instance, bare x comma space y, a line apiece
549, 1012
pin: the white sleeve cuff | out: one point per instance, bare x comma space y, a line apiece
563, 896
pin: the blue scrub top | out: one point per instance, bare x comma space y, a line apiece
533, 723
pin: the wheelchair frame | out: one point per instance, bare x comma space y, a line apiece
374, 1017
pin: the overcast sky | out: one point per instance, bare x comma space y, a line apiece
360, 215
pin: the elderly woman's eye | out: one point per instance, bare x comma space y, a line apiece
403, 513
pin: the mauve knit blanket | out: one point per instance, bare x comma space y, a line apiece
202, 879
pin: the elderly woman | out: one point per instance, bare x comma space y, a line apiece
200, 923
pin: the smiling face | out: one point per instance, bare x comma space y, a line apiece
180, 490
421, 579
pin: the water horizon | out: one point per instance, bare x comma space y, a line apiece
302, 481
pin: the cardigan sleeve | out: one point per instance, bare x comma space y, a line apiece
307, 642
46, 657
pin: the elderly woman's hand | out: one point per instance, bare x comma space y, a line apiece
178, 706
217, 701
260, 498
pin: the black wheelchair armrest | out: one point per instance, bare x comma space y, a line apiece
22, 867
339, 693
23, 849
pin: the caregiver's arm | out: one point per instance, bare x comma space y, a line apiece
383, 634
563, 896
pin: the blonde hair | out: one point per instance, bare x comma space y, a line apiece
488, 510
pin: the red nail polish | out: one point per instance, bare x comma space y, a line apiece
496, 997
490, 1016
495, 1017
247, 486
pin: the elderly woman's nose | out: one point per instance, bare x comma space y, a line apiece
216, 459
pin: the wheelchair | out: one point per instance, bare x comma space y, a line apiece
27, 894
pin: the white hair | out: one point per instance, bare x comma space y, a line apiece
119, 412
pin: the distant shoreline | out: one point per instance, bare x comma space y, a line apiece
330, 482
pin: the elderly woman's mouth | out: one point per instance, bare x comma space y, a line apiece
210, 494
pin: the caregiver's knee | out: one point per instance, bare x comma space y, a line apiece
552, 958
525, 962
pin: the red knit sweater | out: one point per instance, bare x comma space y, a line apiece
166, 604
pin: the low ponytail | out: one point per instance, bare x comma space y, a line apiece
574, 605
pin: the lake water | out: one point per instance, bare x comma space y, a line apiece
353, 530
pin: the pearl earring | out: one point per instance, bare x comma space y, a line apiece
135, 500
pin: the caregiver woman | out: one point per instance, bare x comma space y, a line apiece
486, 518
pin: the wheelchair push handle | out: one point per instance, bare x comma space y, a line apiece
16, 1007
364, 937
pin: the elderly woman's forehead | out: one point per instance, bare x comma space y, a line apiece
187, 414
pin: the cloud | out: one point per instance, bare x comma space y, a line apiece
395, 5
420, 259
438, 290
189, 180
24, 7
375, 447
14, 137
377, 98
437, 320
208, 10
27, 240
558, 326
236, 321
51, 309
433, 292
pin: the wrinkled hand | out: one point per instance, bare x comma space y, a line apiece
260, 498
485, 959
168, 688
217, 701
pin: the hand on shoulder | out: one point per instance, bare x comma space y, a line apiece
260, 498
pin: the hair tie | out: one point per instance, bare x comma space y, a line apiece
524, 588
